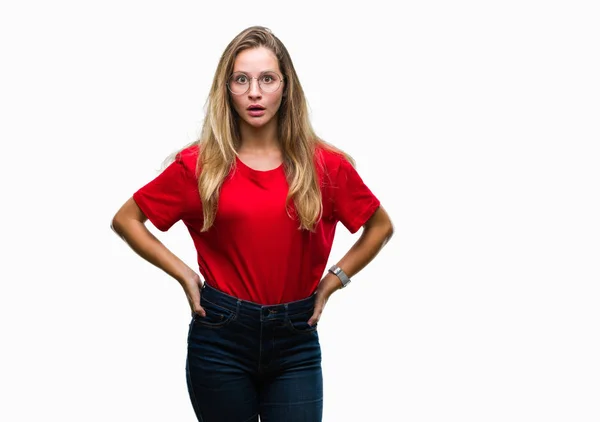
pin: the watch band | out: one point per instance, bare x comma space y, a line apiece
340, 274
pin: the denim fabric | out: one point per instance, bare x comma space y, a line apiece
245, 359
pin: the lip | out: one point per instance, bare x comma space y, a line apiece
255, 106
256, 113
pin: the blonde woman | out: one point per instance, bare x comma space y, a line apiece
261, 195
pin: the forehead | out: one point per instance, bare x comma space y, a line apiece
255, 60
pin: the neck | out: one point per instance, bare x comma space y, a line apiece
259, 139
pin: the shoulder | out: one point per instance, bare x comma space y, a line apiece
188, 158
330, 160
330, 156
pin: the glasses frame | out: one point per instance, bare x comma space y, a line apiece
281, 79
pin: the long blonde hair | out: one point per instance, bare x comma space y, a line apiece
220, 138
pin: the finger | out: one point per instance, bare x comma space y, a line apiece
197, 309
317, 312
315, 317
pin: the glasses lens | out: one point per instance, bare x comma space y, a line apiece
269, 81
239, 83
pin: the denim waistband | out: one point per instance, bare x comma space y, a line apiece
253, 309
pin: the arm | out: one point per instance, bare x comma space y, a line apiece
377, 231
129, 224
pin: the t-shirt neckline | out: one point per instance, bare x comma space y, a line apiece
257, 173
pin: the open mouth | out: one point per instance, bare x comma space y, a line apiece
256, 111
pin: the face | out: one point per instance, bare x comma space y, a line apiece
253, 62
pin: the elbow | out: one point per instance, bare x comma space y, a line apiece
124, 216
381, 225
389, 231
114, 225
387, 228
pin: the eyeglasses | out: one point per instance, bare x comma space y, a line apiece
239, 83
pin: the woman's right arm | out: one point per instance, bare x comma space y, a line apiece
129, 224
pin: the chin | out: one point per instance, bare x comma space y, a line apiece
257, 123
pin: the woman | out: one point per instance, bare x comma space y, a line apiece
261, 195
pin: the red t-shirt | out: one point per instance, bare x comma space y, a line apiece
254, 250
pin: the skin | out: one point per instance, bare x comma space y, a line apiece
259, 143
260, 150
376, 233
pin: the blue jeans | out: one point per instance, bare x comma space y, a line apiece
245, 359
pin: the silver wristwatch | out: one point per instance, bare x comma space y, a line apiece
340, 274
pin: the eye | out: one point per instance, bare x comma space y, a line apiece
268, 78
241, 79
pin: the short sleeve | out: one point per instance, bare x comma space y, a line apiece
354, 203
164, 199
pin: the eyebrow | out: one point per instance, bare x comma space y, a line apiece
247, 73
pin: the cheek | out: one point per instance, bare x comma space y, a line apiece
276, 102
235, 103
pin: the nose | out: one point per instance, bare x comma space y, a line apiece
254, 90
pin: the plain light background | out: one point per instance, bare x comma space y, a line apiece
475, 123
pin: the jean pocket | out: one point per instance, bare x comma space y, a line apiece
298, 323
216, 316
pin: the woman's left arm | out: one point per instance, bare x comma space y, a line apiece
377, 231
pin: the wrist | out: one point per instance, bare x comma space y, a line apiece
191, 280
330, 283
340, 274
